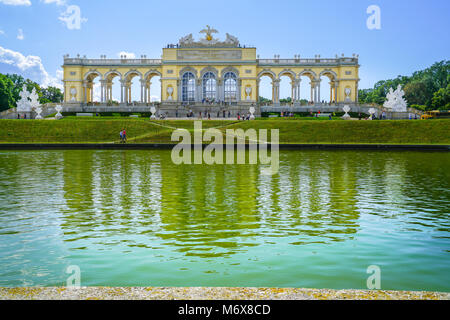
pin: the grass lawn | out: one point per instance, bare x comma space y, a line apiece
142, 130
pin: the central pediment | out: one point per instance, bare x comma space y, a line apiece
208, 41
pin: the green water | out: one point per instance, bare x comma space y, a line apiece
132, 218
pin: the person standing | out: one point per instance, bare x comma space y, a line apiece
121, 135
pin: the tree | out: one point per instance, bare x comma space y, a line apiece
419, 92
51, 94
6, 96
263, 100
441, 99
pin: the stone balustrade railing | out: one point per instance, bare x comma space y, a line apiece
156, 62
337, 61
107, 62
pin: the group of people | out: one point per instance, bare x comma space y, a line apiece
123, 136
243, 117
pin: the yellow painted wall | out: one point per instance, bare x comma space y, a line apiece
171, 67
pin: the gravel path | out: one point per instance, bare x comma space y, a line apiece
204, 293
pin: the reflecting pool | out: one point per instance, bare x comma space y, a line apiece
133, 218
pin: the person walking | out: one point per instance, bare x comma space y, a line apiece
124, 136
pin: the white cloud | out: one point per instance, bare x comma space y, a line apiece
29, 67
57, 2
16, 2
2, 32
72, 17
20, 34
129, 55
155, 98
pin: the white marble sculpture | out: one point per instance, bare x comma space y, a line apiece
34, 103
252, 111
395, 101
153, 111
23, 105
346, 110
58, 115
248, 91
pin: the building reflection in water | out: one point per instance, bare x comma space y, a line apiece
137, 197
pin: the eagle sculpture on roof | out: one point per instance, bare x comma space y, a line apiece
209, 31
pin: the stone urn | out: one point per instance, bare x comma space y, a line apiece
169, 93
58, 115
346, 109
252, 111
153, 111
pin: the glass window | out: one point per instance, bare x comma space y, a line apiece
209, 86
230, 83
188, 87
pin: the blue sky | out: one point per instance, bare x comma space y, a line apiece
414, 34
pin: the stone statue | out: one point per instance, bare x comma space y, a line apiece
395, 101
372, 111
23, 105
252, 111
34, 103
209, 31
231, 40
186, 40
209, 40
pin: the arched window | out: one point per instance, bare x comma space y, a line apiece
230, 86
188, 87
209, 86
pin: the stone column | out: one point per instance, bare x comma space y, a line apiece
85, 91
276, 92
198, 90
357, 93
313, 96
331, 92
129, 93
142, 90
179, 95
102, 90
219, 83
123, 91
239, 85
296, 88
319, 100
336, 91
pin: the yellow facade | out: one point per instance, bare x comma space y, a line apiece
184, 68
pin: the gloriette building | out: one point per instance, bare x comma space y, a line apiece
223, 73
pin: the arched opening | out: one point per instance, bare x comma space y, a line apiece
287, 82
112, 89
328, 87
266, 84
188, 87
152, 87
92, 92
307, 87
209, 87
230, 87
133, 92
